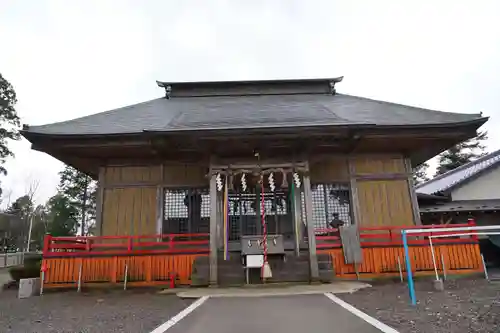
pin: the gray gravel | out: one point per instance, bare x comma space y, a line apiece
466, 305
95, 312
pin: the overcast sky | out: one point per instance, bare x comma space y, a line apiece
68, 59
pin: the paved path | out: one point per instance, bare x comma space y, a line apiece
278, 314
337, 287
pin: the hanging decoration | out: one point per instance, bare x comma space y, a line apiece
296, 179
218, 181
243, 183
270, 179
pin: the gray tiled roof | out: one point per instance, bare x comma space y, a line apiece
462, 205
459, 175
257, 111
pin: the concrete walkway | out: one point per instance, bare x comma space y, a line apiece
286, 290
278, 314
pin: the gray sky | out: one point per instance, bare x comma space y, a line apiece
68, 59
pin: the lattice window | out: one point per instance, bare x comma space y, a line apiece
330, 203
186, 210
245, 211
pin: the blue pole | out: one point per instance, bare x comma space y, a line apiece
411, 286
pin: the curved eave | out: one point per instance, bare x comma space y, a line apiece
476, 123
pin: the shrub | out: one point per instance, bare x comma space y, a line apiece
25, 271
32, 259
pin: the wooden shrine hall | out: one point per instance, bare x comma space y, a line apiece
227, 183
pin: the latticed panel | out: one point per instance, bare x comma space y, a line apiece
331, 204
245, 209
186, 210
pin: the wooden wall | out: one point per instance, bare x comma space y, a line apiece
379, 184
383, 191
129, 211
130, 202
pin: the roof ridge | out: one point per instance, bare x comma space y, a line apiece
460, 168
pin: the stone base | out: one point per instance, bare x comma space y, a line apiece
29, 287
438, 285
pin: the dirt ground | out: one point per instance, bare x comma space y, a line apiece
96, 312
466, 305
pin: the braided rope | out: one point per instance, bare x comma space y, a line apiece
264, 227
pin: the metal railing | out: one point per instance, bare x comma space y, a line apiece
11, 259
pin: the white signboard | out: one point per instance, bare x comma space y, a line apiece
255, 261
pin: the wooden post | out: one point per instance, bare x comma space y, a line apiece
149, 267
213, 230
160, 202
313, 259
297, 215
413, 194
354, 192
100, 201
114, 270
159, 210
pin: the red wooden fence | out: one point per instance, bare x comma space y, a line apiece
125, 245
391, 236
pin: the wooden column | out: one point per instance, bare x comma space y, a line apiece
99, 201
160, 203
159, 209
413, 194
313, 259
297, 223
354, 191
213, 231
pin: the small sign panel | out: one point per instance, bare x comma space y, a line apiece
255, 261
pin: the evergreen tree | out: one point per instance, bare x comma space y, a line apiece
420, 173
80, 191
9, 121
462, 153
20, 210
62, 216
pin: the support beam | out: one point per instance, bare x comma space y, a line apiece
213, 231
297, 223
313, 259
160, 203
159, 209
354, 192
413, 194
100, 201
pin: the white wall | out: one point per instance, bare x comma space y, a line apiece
484, 187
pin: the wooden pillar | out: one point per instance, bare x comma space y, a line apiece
213, 231
99, 201
160, 203
413, 194
354, 191
159, 209
313, 258
297, 223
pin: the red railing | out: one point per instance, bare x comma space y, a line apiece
125, 245
391, 236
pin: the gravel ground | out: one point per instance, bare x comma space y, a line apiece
466, 305
95, 312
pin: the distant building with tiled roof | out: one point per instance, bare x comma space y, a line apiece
472, 189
